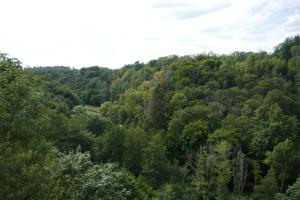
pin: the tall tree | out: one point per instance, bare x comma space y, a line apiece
212, 172
155, 163
282, 160
24, 150
240, 172
267, 189
156, 114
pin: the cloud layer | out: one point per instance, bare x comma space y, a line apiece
112, 33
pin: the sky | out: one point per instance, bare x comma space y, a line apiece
112, 33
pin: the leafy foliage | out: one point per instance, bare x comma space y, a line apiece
192, 127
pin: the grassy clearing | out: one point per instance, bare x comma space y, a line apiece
92, 109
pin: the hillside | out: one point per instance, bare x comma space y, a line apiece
206, 126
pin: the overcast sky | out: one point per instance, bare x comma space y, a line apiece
111, 33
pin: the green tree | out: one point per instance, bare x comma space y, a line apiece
178, 101
108, 182
213, 172
240, 172
74, 176
282, 160
155, 163
156, 114
111, 145
267, 189
97, 124
24, 150
193, 135
292, 193
133, 154
67, 173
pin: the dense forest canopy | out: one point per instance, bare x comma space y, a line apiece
202, 127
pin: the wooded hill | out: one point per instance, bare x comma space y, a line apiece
180, 127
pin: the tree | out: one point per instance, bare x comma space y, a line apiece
212, 172
193, 135
97, 124
75, 177
67, 173
292, 193
109, 182
178, 101
240, 172
155, 163
133, 154
75, 133
267, 189
284, 49
282, 160
188, 73
111, 145
24, 149
179, 120
177, 191
156, 115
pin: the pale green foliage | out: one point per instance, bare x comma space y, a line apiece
281, 160
75, 177
212, 172
240, 172
223, 169
109, 183
294, 190
67, 173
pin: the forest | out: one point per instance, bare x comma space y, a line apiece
197, 127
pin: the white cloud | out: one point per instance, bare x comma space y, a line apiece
183, 11
113, 33
293, 23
